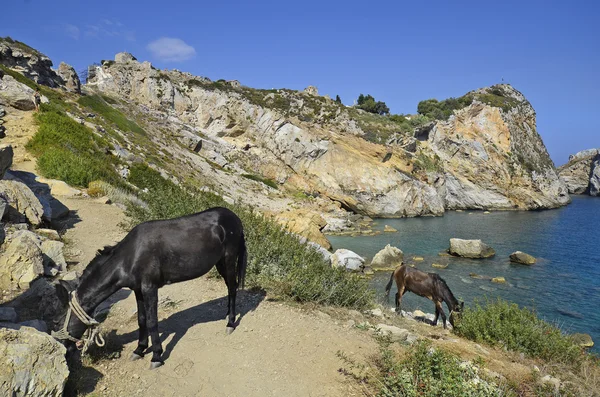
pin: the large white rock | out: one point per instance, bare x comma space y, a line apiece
347, 259
22, 202
22, 261
470, 248
595, 178
33, 364
388, 258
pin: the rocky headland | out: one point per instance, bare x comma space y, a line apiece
582, 173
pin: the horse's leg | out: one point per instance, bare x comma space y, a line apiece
143, 331
437, 313
150, 293
223, 272
440, 309
399, 295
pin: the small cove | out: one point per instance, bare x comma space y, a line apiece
563, 286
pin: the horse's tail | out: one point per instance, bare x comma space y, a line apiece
388, 287
242, 262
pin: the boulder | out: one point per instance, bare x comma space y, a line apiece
389, 229
312, 90
39, 301
70, 78
15, 94
54, 261
6, 158
388, 258
522, 258
48, 233
59, 188
22, 202
33, 364
499, 280
395, 333
22, 261
124, 57
306, 224
470, 248
347, 259
583, 340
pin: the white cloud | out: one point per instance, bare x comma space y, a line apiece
171, 50
72, 31
109, 28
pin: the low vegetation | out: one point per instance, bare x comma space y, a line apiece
504, 324
101, 105
269, 182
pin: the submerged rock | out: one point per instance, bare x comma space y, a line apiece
470, 248
33, 364
389, 229
522, 258
499, 280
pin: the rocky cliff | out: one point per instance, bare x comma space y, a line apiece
582, 173
485, 156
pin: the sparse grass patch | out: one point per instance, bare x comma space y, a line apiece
99, 104
266, 181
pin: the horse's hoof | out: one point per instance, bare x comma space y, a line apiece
135, 357
156, 364
229, 330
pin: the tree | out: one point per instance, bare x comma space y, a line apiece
368, 104
338, 99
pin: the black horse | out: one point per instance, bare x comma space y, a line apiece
428, 285
153, 254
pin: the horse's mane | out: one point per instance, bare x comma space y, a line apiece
103, 253
444, 289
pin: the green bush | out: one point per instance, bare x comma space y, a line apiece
98, 104
434, 109
505, 324
266, 181
428, 372
278, 261
69, 151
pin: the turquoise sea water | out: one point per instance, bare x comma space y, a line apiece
563, 286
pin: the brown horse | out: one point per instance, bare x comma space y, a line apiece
428, 285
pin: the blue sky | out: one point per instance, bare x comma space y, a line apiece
400, 52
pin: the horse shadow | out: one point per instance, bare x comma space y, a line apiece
178, 324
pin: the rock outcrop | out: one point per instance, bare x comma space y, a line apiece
33, 363
23, 205
305, 223
470, 248
388, 258
582, 173
69, 77
522, 258
21, 262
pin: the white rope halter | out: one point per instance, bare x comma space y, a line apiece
92, 333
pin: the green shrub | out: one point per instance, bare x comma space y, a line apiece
426, 372
98, 104
69, 151
434, 109
505, 324
278, 261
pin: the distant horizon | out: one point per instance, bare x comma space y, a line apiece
398, 53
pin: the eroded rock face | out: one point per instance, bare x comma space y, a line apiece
582, 174
307, 224
33, 364
15, 94
470, 248
29, 62
69, 77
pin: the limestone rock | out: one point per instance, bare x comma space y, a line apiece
470, 248
33, 364
581, 172
595, 177
583, 340
29, 62
522, 258
39, 301
59, 188
312, 90
54, 261
48, 233
389, 229
347, 259
388, 258
6, 158
21, 262
124, 57
69, 77
397, 334
499, 280
305, 223
15, 94
23, 204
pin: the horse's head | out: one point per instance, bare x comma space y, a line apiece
68, 331
456, 311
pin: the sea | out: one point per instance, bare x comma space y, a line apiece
563, 287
